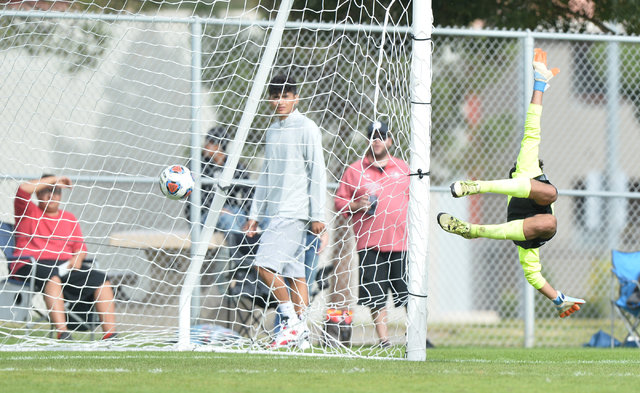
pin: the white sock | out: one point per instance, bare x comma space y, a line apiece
288, 311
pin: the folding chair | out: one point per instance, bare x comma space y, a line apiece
16, 293
16, 296
626, 268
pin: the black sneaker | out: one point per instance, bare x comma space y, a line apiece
65, 336
110, 336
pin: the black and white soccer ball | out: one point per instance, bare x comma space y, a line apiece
176, 182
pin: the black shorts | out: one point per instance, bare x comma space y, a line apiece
521, 208
78, 284
380, 272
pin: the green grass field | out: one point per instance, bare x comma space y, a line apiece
446, 370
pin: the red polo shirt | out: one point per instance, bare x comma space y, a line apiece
386, 229
44, 237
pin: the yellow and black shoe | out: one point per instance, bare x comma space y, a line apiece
453, 225
464, 188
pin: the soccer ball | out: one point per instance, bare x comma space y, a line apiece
176, 182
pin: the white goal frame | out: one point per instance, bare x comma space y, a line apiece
419, 162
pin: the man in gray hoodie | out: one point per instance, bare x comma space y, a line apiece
291, 193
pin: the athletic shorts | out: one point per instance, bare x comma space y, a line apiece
381, 272
78, 284
282, 247
521, 208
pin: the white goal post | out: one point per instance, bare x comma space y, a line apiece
108, 98
420, 187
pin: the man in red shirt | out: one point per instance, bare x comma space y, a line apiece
52, 236
374, 194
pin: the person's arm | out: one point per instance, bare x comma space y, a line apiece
36, 185
240, 194
324, 240
316, 174
259, 195
346, 202
258, 202
527, 163
26, 189
530, 261
76, 260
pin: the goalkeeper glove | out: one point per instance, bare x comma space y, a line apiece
542, 74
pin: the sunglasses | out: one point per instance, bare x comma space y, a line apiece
49, 192
380, 136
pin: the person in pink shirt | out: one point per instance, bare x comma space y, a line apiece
374, 194
52, 236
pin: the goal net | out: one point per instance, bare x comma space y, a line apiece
109, 93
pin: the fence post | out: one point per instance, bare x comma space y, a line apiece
527, 86
614, 178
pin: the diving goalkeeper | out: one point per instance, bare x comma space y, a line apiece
530, 220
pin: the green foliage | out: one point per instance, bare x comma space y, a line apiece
78, 44
510, 301
343, 69
485, 144
562, 15
597, 63
600, 277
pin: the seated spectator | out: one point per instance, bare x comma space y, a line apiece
52, 236
234, 212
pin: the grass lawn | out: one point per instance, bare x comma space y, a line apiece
579, 370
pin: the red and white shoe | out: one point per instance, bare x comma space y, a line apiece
292, 334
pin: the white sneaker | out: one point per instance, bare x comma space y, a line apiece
303, 334
285, 337
304, 344
291, 334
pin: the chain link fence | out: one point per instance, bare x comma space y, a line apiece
590, 128
114, 113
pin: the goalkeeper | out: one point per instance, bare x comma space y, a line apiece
530, 220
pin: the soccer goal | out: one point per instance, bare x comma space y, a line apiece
109, 97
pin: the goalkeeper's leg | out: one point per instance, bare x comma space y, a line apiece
540, 226
543, 194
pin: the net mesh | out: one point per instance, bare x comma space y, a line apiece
106, 98
108, 101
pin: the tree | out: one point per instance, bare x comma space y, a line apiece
562, 15
609, 16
